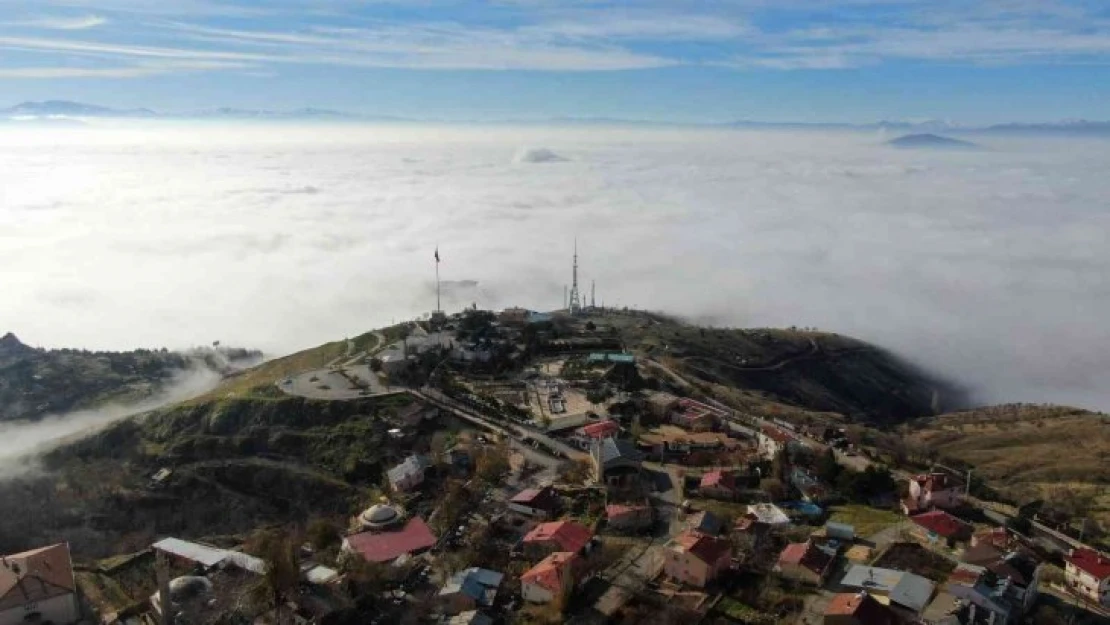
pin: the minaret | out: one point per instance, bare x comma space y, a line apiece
575, 303
593, 290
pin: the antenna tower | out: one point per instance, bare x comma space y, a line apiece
574, 305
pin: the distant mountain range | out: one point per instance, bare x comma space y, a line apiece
930, 141
63, 111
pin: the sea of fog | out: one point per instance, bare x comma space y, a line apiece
987, 266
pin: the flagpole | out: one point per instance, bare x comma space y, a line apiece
438, 308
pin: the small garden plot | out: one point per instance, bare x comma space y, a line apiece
916, 559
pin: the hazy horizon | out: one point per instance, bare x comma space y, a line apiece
985, 267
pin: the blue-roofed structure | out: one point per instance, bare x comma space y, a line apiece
613, 357
470, 588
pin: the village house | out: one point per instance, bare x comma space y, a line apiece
407, 475
768, 514
38, 586
704, 522
1088, 575
696, 416
858, 608
585, 436
537, 503
810, 488
671, 439
696, 559
557, 536
469, 589
1021, 570
718, 484
660, 404
905, 593
805, 562
933, 490
939, 527
773, 440
625, 517
553, 578
616, 462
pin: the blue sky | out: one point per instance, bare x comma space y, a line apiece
970, 61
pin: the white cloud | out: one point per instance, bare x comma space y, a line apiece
988, 266
62, 23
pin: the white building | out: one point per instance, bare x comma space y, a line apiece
409, 474
38, 586
1088, 575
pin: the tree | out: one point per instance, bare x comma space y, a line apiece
277, 549
774, 488
599, 395
492, 463
322, 534
575, 471
376, 364
827, 468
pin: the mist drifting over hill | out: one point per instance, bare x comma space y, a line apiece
985, 266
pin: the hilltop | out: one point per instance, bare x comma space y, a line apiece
36, 382
928, 140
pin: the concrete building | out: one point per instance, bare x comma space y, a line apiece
38, 586
627, 517
557, 536
1088, 575
696, 559
553, 578
939, 527
773, 440
616, 462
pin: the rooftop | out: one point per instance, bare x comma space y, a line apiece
768, 514
806, 555
1091, 562
476, 583
49, 566
863, 606
708, 549
388, 546
617, 449
548, 573
409, 466
905, 589
600, 429
569, 535
208, 556
943, 524
541, 498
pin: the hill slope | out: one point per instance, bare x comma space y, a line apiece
816, 371
930, 141
38, 382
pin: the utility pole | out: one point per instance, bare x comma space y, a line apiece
438, 308
967, 493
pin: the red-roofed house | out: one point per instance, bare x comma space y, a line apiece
696, 559
38, 582
772, 440
538, 503
1088, 574
552, 578
628, 517
933, 490
595, 432
388, 546
557, 536
858, 609
939, 526
719, 484
805, 562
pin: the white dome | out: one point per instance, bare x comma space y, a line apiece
189, 586
379, 514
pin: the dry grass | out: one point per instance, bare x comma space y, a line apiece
1025, 451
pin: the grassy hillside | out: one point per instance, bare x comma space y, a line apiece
1028, 451
237, 464
814, 371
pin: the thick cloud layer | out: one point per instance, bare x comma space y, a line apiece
987, 266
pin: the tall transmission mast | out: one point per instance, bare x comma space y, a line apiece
574, 306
